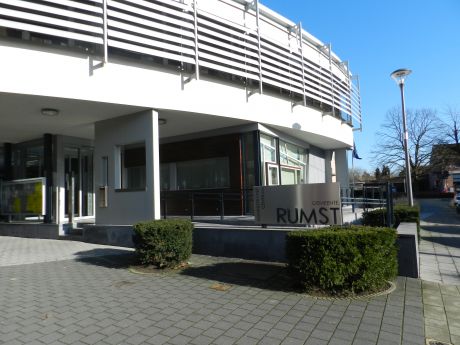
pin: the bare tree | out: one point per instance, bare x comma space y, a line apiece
423, 127
359, 175
452, 124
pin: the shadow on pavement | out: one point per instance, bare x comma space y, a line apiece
445, 241
455, 230
107, 257
266, 276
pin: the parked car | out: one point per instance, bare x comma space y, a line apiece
457, 200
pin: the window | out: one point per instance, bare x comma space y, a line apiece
268, 157
104, 171
203, 173
268, 148
165, 177
132, 163
293, 163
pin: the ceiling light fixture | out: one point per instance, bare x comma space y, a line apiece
162, 121
49, 112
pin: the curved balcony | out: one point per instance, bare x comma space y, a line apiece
234, 39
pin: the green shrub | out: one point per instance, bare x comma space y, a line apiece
342, 260
163, 243
401, 213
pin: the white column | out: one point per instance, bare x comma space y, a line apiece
328, 165
125, 207
59, 183
341, 167
155, 160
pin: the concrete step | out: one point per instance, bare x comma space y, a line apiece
73, 234
71, 238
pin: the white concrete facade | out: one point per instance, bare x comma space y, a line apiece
128, 207
222, 66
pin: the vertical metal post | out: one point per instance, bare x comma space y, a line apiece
192, 211
222, 211
410, 197
359, 102
71, 198
278, 159
329, 48
353, 181
257, 160
48, 165
195, 26
105, 38
347, 64
299, 33
259, 45
8, 160
388, 206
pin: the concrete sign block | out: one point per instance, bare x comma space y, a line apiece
312, 204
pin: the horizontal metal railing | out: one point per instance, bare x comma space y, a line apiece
228, 36
192, 203
203, 203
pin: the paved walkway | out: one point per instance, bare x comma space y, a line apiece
440, 253
21, 251
62, 292
440, 269
96, 300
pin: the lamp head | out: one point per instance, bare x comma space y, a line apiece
49, 112
400, 75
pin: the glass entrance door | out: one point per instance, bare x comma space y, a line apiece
72, 181
87, 187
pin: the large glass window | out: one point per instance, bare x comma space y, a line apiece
268, 156
28, 160
133, 170
164, 177
268, 148
293, 161
203, 173
2, 162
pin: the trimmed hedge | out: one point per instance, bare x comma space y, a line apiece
342, 259
164, 243
401, 213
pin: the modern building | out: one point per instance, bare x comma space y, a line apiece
116, 111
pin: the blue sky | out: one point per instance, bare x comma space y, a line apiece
378, 37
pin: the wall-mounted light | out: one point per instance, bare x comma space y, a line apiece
49, 112
162, 121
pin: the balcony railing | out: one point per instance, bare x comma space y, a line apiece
243, 39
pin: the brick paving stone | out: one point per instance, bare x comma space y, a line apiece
224, 340
316, 341
157, 340
180, 340
338, 341
268, 341
91, 302
247, 341
292, 341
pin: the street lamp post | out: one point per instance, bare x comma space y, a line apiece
399, 76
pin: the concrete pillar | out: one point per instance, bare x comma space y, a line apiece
341, 167
154, 149
59, 183
328, 155
48, 172
125, 206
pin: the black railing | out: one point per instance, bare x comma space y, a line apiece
193, 203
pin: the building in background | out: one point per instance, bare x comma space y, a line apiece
444, 175
116, 111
